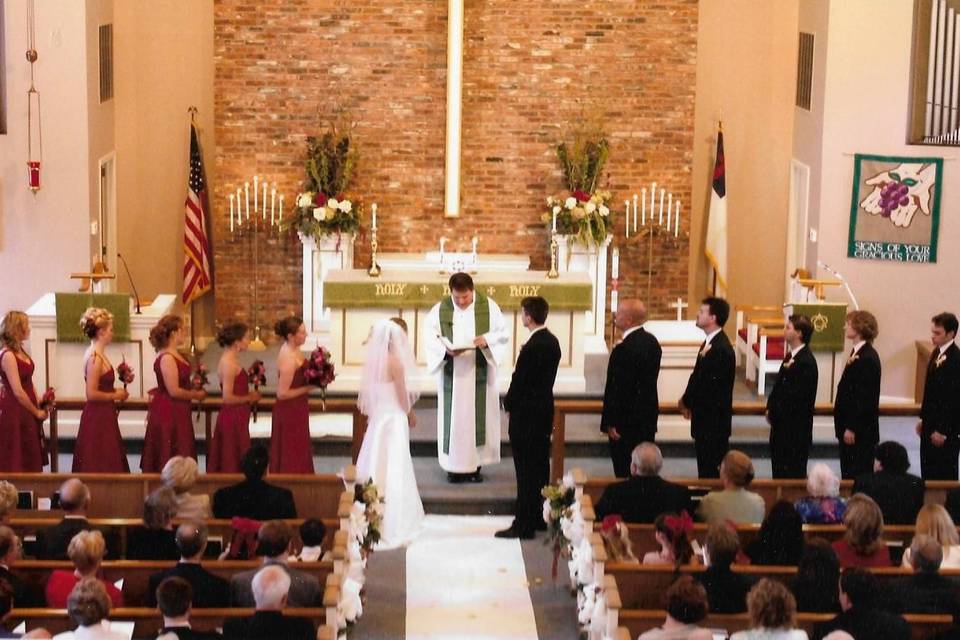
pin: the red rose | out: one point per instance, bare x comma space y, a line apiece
581, 196
320, 199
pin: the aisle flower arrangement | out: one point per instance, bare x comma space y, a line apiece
558, 508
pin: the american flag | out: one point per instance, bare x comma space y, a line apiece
196, 248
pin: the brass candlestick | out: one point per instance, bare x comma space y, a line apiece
374, 270
554, 247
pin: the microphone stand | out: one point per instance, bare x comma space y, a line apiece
846, 285
136, 296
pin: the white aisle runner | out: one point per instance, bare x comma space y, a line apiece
464, 583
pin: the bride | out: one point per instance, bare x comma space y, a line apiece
387, 397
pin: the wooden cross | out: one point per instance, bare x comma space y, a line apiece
679, 305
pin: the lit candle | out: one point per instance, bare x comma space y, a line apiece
676, 221
255, 192
653, 198
554, 228
231, 213
613, 301
273, 202
246, 195
263, 203
280, 212
615, 264
643, 207
626, 215
634, 213
443, 241
373, 208
669, 209
474, 241
660, 220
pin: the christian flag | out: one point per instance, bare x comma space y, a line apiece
716, 246
196, 250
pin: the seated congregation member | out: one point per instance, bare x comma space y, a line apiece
856, 409
52, 542
734, 502
270, 587
862, 544
780, 540
926, 591
8, 501
824, 504
817, 576
934, 521
773, 613
938, 429
253, 498
686, 604
156, 539
861, 617
86, 553
231, 439
726, 590
791, 401
10, 552
174, 596
89, 606
898, 493
180, 474
312, 532
7, 603
644, 495
209, 590
616, 540
672, 533
273, 545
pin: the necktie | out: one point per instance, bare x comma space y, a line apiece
788, 357
853, 351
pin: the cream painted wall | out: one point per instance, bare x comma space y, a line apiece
100, 116
866, 111
43, 237
746, 63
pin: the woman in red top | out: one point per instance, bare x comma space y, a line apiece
86, 552
169, 427
862, 545
99, 447
232, 436
290, 448
21, 418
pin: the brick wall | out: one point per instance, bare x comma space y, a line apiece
530, 68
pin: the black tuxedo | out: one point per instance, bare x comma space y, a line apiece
269, 625
52, 542
209, 590
940, 412
868, 623
922, 593
790, 412
857, 408
24, 595
630, 401
185, 633
529, 401
152, 544
709, 398
899, 495
254, 499
641, 499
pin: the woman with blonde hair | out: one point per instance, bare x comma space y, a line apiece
734, 502
180, 474
934, 521
85, 551
8, 500
773, 613
824, 504
616, 540
99, 446
21, 417
862, 544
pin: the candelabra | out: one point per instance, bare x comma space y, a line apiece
554, 248
374, 270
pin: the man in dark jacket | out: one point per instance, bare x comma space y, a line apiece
52, 542
790, 405
898, 494
529, 405
253, 498
856, 409
861, 618
939, 425
270, 587
174, 596
926, 591
645, 495
708, 399
630, 401
209, 590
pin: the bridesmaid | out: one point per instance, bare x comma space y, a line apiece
290, 448
21, 435
99, 447
232, 436
169, 427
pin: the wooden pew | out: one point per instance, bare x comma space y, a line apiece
636, 621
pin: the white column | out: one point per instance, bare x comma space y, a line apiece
451, 202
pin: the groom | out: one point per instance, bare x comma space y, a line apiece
529, 405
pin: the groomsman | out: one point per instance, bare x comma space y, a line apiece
630, 402
529, 406
856, 410
790, 405
939, 425
708, 400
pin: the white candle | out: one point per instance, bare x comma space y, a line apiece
626, 215
373, 208
643, 207
634, 213
669, 209
613, 301
554, 228
653, 201
263, 203
660, 220
246, 195
256, 190
676, 221
443, 241
280, 212
474, 243
239, 210
231, 213
615, 264
273, 203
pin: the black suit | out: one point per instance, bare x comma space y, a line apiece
899, 496
52, 542
922, 593
641, 499
872, 624
940, 412
790, 412
254, 499
857, 408
726, 590
530, 403
152, 544
209, 590
186, 633
269, 625
709, 398
24, 595
630, 401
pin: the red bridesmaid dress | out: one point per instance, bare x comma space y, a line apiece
169, 427
21, 436
99, 447
290, 448
232, 436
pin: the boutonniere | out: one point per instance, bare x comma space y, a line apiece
940, 360
705, 350
788, 364
853, 359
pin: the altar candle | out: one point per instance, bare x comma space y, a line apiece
615, 264
473, 241
443, 241
660, 220
626, 215
554, 228
643, 207
669, 209
256, 191
613, 301
653, 198
280, 212
634, 213
373, 208
231, 213
239, 210
246, 195
273, 202
263, 202
676, 221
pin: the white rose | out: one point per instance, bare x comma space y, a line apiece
556, 209
547, 511
332, 203
590, 207
320, 213
346, 206
305, 199
568, 481
570, 202
604, 210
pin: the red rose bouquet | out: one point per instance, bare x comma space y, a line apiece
257, 375
125, 373
319, 370
198, 380
48, 399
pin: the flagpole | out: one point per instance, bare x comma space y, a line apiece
193, 330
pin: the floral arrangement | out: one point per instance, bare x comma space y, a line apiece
322, 208
125, 373
557, 507
580, 214
368, 495
320, 371
257, 374
48, 399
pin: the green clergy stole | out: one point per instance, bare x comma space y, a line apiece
481, 315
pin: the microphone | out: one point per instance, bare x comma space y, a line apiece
846, 285
136, 296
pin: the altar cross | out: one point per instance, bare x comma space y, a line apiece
679, 305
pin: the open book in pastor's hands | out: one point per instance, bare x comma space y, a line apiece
455, 348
